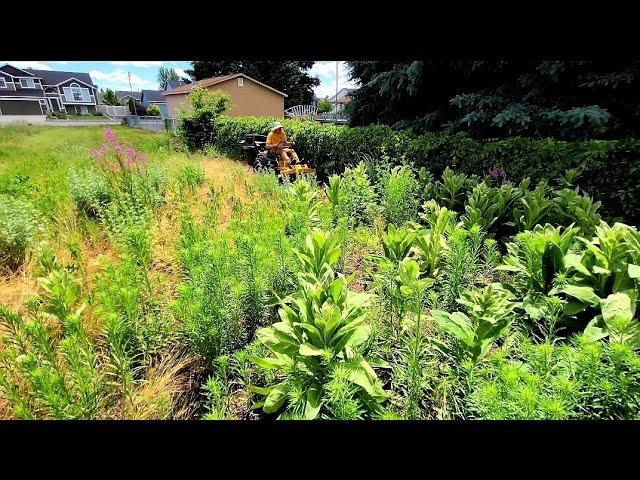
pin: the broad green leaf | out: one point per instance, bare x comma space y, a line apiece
575, 261
275, 399
617, 305
634, 270
271, 362
309, 350
584, 294
313, 404
595, 330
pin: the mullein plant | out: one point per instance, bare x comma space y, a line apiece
315, 347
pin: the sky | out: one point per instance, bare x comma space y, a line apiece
114, 75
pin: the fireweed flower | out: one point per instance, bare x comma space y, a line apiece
143, 159
494, 174
131, 154
109, 136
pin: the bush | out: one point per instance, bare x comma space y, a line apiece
609, 170
60, 115
196, 127
90, 191
399, 199
18, 228
153, 110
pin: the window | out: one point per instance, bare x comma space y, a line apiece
240, 81
84, 110
27, 83
3, 83
76, 92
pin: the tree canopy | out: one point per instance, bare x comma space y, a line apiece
486, 99
109, 97
291, 78
164, 75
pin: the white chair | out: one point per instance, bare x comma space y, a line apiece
304, 112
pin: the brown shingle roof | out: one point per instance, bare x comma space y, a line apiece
215, 80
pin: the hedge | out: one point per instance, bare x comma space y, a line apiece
610, 170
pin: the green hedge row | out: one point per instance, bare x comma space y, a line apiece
610, 170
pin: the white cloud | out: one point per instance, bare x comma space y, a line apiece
138, 64
60, 62
119, 80
181, 73
35, 65
326, 72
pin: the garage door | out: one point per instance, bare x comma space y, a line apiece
20, 107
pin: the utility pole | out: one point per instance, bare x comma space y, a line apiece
135, 110
337, 92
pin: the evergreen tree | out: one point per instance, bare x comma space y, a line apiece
486, 99
164, 75
109, 97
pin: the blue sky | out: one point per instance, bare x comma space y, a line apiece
143, 74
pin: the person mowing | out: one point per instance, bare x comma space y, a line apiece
277, 140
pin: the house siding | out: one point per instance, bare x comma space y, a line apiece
251, 99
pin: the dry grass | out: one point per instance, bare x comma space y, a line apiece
166, 391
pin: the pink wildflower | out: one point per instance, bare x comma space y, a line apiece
109, 136
143, 159
131, 153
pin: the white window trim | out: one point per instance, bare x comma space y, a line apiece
3, 83
240, 82
27, 86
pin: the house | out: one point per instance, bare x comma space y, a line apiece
28, 94
249, 97
171, 84
123, 96
343, 97
154, 97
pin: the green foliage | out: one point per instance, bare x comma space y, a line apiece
164, 75
191, 176
49, 368
196, 127
357, 198
324, 106
109, 97
315, 345
19, 225
153, 110
544, 381
489, 312
90, 191
398, 196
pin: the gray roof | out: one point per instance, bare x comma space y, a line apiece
153, 96
51, 77
174, 84
120, 94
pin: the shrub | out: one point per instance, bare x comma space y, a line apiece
357, 199
399, 196
196, 120
18, 228
153, 110
90, 191
610, 170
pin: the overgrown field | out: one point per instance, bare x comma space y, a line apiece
141, 281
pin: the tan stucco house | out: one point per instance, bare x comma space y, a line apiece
249, 97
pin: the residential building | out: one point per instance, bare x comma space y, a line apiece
154, 97
249, 97
29, 94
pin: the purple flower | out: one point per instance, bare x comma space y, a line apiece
494, 174
131, 153
109, 136
117, 148
143, 159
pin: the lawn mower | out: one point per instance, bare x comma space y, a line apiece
259, 157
